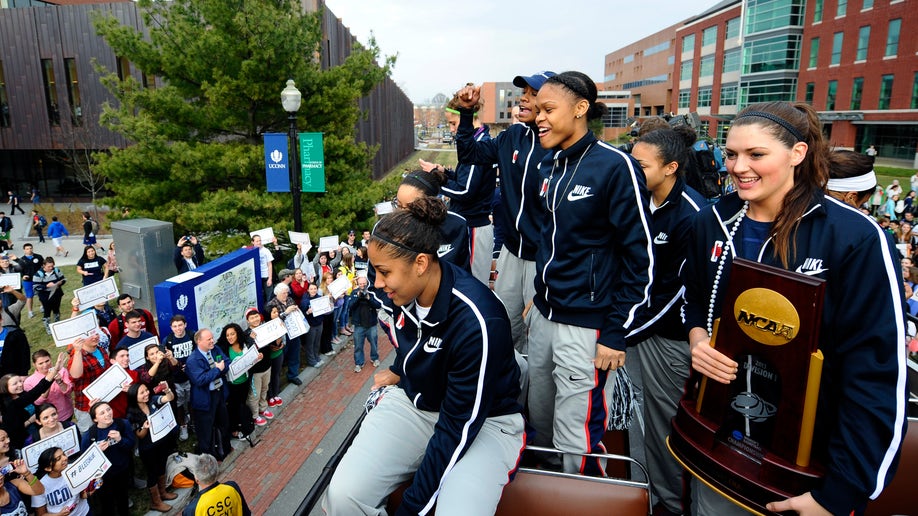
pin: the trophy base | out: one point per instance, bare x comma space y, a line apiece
748, 482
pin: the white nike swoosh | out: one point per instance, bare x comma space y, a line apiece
443, 252
657, 241
810, 273
576, 197
430, 349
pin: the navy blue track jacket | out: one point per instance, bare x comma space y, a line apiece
672, 222
459, 362
594, 266
862, 398
470, 188
517, 152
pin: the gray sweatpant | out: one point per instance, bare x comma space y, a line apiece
708, 502
515, 286
390, 446
482, 252
567, 395
665, 366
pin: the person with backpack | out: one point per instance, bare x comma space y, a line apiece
39, 222
704, 171
90, 229
6, 226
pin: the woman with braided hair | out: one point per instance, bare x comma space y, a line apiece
449, 415
781, 216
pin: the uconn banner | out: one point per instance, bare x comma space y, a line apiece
277, 163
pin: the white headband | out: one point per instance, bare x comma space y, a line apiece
853, 184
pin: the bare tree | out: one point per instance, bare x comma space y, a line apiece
81, 143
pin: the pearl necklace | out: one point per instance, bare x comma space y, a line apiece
720, 266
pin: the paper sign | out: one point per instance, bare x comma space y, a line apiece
296, 324
328, 243
321, 306
66, 331
243, 363
266, 234
92, 464
338, 287
13, 279
97, 293
67, 440
300, 238
137, 356
384, 208
161, 422
268, 332
108, 385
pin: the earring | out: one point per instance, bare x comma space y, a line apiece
579, 116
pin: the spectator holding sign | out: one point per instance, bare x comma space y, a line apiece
87, 363
284, 303
48, 424
178, 345
59, 393
116, 440
260, 372
16, 404
58, 497
266, 265
233, 342
153, 455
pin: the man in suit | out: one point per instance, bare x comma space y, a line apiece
188, 254
206, 368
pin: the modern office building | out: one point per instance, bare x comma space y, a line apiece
51, 96
852, 60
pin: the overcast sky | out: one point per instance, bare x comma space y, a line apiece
442, 45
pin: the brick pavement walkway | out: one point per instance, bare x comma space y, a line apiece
296, 430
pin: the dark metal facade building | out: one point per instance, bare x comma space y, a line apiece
51, 97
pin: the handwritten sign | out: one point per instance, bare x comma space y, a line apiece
13, 279
320, 306
268, 332
338, 287
136, 353
66, 331
92, 464
108, 385
266, 234
328, 243
97, 293
161, 422
300, 238
67, 440
384, 208
243, 362
296, 324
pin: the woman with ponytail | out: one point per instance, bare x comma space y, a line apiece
448, 414
593, 271
780, 215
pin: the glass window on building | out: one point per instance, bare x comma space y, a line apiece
731, 61
685, 98
767, 90
831, 93
722, 129
810, 91
47, 73
4, 102
892, 37
772, 54
857, 91
688, 43
685, 74
615, 116
817, 11
123, 67
868, 4
709, 36
704, 97
838, 40
704, 131
842, 8
733, 26
764, 15
728, 94
706, 66
73, 91
886, 86
149, 81
863, 41
814, 52
913, 105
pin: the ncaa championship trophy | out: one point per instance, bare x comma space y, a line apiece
752, 440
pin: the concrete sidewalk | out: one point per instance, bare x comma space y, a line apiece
73, 244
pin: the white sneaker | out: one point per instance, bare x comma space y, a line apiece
330, 353
183, 433
376, 363
31, 314
357, 368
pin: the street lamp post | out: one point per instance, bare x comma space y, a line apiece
290, 99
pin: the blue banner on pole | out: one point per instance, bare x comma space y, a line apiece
277, 164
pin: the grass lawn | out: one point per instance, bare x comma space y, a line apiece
885, 176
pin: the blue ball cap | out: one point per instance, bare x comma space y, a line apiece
533, 81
